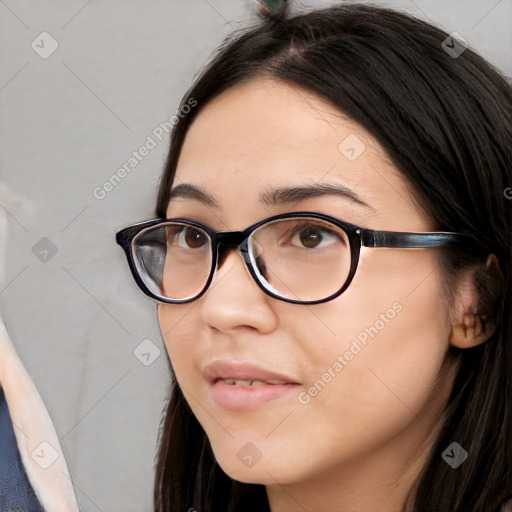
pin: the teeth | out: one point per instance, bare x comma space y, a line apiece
248, 383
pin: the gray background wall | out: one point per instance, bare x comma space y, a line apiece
68, 122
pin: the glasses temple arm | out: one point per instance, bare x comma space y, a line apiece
371, 238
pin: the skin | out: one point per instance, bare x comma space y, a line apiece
360, 443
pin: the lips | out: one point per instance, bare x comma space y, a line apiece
251, 383
244, 386
233, 371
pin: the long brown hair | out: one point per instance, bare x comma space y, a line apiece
446, 123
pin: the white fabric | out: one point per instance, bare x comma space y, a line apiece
37, 439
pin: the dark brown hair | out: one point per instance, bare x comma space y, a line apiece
446, 124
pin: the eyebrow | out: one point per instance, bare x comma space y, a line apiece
277, 196
188, 191
272, 196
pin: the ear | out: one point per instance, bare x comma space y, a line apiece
473, 321
468, 332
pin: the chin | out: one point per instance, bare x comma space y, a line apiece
262, 471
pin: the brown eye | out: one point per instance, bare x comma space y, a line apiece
310, 237
313, 236
194, 238
188, 238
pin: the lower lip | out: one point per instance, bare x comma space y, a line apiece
238, 398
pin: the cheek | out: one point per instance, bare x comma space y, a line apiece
179, 334
393, 313
388, 358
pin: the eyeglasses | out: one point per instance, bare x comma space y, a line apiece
298, 257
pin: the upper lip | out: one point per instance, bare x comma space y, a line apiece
224, 369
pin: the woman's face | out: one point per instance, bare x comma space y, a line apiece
364, 366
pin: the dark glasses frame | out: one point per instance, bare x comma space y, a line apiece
221, 240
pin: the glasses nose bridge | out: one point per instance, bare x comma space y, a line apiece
226, 240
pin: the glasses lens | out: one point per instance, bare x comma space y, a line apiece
174, 260
304, 259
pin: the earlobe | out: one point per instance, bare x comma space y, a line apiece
469, 333
477, 296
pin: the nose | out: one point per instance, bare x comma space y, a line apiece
234, 300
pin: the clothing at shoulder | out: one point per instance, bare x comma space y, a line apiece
25, 424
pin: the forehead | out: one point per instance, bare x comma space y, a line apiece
265, 132
267, 120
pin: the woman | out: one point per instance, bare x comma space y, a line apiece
334, 282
